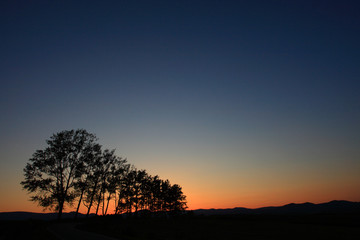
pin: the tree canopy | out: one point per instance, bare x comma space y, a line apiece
73, 167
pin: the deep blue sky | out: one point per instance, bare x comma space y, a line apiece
267, 87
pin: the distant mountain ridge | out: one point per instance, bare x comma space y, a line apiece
332, 207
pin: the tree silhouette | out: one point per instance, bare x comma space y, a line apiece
73, 167
84, 176
140, 191
92, 190
111, 169
113, 178
51, 173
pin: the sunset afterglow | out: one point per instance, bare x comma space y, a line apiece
241, 103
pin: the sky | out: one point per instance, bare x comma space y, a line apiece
241, 103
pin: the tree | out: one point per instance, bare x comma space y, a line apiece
176, 199
92, 188
84, 173
73, 167
113, 179
121, 191
140, 191
111, 169
51, 173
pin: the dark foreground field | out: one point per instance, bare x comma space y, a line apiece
25, 230
339, 226
229, 227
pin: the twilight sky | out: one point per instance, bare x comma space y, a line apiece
242, 103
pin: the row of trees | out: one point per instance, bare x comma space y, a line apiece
74, 170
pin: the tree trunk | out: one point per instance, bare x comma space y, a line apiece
61, 206
98, 205
103, 204
136, 203
107, 204
116, 203
129, 205
78, 206
91, 200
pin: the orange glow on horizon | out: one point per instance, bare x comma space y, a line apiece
226, 192
210, 200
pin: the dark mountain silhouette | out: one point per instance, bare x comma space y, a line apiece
333, 207
35, 216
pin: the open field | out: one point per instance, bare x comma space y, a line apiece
229, 227
25, 230
316, 226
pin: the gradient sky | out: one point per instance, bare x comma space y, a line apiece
242, 103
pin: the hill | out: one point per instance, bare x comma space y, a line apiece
333, 207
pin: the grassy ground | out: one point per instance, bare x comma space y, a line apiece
228, 227
25, 230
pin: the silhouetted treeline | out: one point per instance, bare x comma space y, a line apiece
74, 170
